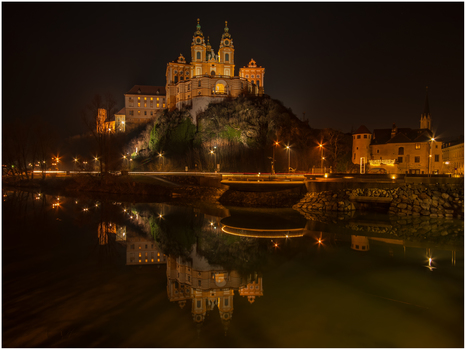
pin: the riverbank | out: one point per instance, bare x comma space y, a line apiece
430, 200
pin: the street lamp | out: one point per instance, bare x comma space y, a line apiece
289, 151
75, 161
215, 158
321, 157
430, 155
275, 144
163, 161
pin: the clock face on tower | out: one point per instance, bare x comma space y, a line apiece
226, 42
198, 40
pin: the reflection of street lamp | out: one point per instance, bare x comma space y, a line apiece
289, 151
57, 160
163, 161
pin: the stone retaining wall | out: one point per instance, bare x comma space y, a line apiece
433, 200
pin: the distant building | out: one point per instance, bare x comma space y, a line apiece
143, 251
103, 123
453, 157
399, 150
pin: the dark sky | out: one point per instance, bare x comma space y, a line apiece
343, 64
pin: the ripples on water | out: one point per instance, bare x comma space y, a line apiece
99, 273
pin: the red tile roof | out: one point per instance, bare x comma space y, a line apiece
121, 111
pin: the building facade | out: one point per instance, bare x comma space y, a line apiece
209, 77
453, 157
399, 150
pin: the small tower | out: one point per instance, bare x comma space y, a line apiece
361, 141
226, 53
198, 46
425, 117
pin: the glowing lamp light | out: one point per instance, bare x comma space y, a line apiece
160, 215
326, 175
393, 177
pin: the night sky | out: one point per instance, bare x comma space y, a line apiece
342, 64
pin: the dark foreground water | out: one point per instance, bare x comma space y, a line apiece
101, 273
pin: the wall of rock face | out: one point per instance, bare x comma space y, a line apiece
433, 200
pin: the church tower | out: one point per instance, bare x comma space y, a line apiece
425, 117
226, 53
198, 50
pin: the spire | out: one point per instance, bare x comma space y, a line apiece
425, 116
198, 31
426, 107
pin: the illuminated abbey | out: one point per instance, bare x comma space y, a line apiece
210, 76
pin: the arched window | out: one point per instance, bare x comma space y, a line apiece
199, 83
176, 79
227, 57
198, 55
401, 151
257, 81
212, 73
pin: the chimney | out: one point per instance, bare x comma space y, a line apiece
394, 130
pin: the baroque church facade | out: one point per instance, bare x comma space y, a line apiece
210, 76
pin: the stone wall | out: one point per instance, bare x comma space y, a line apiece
436, 200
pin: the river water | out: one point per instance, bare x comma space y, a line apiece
94, 272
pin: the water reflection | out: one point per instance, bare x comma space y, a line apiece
213, 263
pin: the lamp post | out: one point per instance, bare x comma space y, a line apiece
321, 157
163, 161
275, 144
75, 161
288, 150
430, 155
215, 158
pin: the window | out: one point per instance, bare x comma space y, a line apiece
436, 146
139, 254
158, 105
198, 304
401, 151
377, 151
418, 146
257, 82
437, 157
145, 98
145, 104
139, 105
145, 112
139, 247
365, 136
131, 112
359, 136
227, 57
151, 112
199, 283
139, 112
198, 55
226, 302
252, 76
357, 246
199, 83
417, 159
400, 159
354, 156
132, 246
247, 76
164, 103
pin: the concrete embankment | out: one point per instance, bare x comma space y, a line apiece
432, 200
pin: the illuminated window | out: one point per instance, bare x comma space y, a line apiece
139, 260
418, 146
152, 99
139, 254
139, 247
158, 105
164, 104
146, 260
158, 260
145, 104
158, 254
139, 99
151, 260
139, 112
145, 98
139, 105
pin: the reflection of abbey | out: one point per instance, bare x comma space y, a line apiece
208, 77
208, 287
